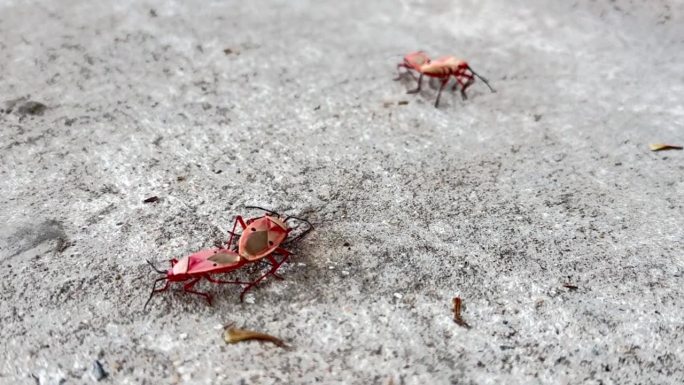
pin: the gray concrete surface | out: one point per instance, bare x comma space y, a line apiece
501, 199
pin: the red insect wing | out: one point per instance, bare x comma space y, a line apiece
205, 261
181, 267
262, 237
277, 222
224, 258
256, 242
208, 260
277, 234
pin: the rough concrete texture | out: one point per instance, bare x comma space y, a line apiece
501, 199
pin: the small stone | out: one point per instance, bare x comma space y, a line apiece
98, 373
32, 108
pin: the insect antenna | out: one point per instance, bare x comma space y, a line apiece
263, 209
483, 79
300, 236
155, 268
154, 290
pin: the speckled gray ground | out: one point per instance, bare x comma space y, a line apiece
501, 199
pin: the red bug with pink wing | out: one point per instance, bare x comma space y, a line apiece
442, 68
260, 240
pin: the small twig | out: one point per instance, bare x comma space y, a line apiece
62, 244
570, 286
457, 313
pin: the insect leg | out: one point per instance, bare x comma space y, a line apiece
439, 94
188, 288
238, 219
467, 84
420, 84
275, 266
409, 70
218, 281
399, 74
234, 236
455, 86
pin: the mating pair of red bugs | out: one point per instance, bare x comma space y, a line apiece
261, 239
443, 68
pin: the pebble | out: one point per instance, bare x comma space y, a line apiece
98, 371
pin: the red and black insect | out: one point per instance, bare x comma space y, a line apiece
260, 241
263, 235
443, 69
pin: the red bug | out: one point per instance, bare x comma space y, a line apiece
443, 68
256, 245
263, 235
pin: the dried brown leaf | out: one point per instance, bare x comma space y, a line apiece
663, 147
457, 313
234, 335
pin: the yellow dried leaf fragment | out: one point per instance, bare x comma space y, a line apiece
234, 335
663, 147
